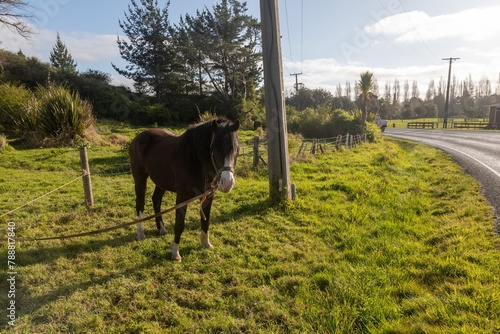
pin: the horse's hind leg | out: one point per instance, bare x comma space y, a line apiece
157, 199
140, 194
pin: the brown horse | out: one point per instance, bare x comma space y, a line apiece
188, 165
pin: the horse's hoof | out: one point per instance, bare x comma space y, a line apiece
176, 256
141, 237
162, 231
205, 241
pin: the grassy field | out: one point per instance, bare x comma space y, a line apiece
403, 123
391, 237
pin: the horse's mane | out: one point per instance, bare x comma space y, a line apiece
196, 139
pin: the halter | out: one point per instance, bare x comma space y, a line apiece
218, 171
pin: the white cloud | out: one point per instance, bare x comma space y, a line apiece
88, 50
82, 46
91, 47
473, 25
328, 73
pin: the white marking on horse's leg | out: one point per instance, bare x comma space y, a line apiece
205, 241
163, 231
175, 252
140, 228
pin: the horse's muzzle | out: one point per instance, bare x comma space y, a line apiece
226, 183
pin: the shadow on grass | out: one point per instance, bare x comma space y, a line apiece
27, 303
258, 207
46, 253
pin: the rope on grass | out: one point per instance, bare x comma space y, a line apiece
202, 197
85, 173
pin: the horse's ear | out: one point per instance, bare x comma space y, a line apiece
235, 126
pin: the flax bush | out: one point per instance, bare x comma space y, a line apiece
62, 117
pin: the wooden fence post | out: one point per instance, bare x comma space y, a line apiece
347, 141
256, 141
87, 184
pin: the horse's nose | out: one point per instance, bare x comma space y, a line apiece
226, 181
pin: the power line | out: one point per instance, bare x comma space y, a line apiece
296, 74
368, 19
401, 33
414, 28
302, 38
288, 32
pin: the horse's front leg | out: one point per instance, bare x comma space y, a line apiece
180, 216
205, 222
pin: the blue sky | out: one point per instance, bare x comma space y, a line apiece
330, 42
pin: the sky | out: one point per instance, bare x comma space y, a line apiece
329, 42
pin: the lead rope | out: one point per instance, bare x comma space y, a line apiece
203, 197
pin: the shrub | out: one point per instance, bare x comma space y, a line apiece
323, 122
373, 132
61, 115
13, 102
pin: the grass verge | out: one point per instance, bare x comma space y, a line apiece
391, 237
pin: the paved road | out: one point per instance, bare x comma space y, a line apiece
477, 151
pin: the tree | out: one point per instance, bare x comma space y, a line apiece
396, 94
365, 85
223, 44
348, 91
414, 90
497, 91
406, 91
153, 63
13, 15
60, 57
431, 91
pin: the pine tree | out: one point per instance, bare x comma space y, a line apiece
223, 41
60, 57
153, 63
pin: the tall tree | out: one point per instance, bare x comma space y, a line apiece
223, 43
431, 91
365, 85
338, 91
397, 93
406, 91
60, 57
348, 91
153, 63
13, 15
415, 93
387, 91
497, 91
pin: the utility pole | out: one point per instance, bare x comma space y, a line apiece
277, 137
296, 81
446, 105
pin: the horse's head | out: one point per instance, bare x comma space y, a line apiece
224, 149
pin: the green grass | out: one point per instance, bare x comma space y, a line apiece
391, 237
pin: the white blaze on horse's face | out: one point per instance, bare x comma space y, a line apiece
227, 177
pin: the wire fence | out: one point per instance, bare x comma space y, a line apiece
254, 150
325, 145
